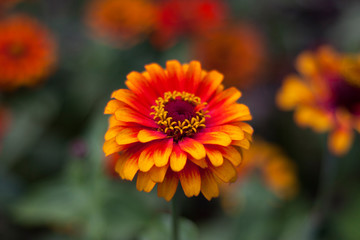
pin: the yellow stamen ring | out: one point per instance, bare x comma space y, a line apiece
178, 129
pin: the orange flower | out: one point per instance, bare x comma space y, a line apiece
177, 18
237, 51
177, 124
326, 95
267, 160
121, 22
27, 52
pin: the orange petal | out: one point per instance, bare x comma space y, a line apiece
209, 186
130, 167
128, 97
190, 180
226, 172
193, 76
242, 143
209, 84
193, 147
228, 96
317, 119
200, 162
144, 182
175, 74
177, 159
245, 127
146, 160
233, 113
232, 154
129, 115
113, 132
217, 138
127, 136
110, 147
119, 167
215, 156
162, 152
157, 74
138, 84
147, 135
167, 188
294, 91
112, 106
340, 141
233, 131
157, 174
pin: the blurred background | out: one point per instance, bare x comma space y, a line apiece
55, 182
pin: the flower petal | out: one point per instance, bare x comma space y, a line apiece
232, 154
193, 147
162, 152
245, 143
127, 136
130, 167
158, 76
209, 186
129, 115
193, 76
110, 147
167, 188
340, 141
190, 180
216, 138
177, 159
245, 127
233, 113
215, 156
144, 182
112, 106
129, 98
226, 97
146, 159
209, 84
226, 172
146, 135
157, 174
294, 91
175, 75
138, 84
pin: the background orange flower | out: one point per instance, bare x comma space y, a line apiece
179, 18
27, 52
237, 51
269, 163
121, 23
325, 96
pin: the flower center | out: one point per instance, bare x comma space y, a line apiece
179, 114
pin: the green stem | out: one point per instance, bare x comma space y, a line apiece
325, 193
175, 218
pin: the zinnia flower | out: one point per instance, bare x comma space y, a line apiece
177, 124
121, 23
237, 51
268, 162
326, 95
27, 52
178, 18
